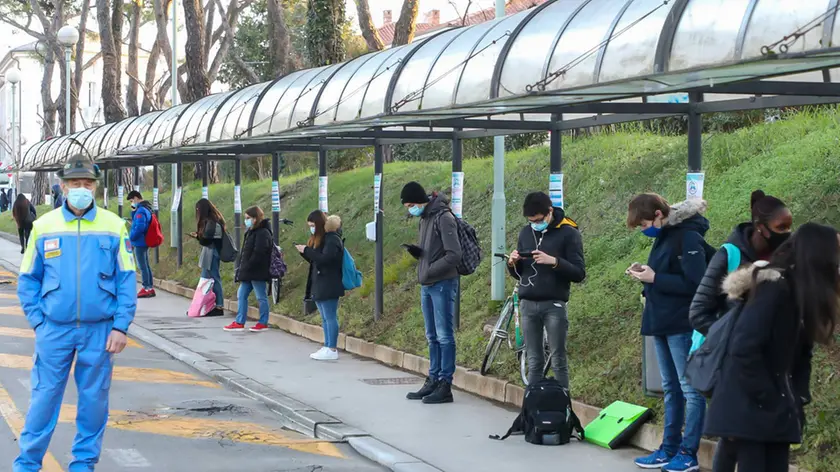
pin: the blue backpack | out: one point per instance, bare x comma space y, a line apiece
350, 276
733, 261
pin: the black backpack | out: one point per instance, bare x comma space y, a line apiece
708, 249
546, 417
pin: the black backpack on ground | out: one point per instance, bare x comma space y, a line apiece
546, 417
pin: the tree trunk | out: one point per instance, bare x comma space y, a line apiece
208, 31
197, 84
162, 23
278, 39
133, 48
407, 24
79, 65
149, 101
117, 29
111, 103
324, 23
369, 31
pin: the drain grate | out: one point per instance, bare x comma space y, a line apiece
394, 381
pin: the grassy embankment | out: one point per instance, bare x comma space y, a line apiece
796, 159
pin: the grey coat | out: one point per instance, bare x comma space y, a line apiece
439, 243
213, 236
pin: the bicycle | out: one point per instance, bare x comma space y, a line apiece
510, 311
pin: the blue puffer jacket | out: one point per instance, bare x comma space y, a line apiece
141, 218
678, 258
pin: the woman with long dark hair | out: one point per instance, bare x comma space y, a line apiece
253, 269
24, 214
210, 229
756, 407
769, 227
325, 253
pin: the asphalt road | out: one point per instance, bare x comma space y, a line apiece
164, 416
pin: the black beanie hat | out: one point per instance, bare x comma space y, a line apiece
413, 193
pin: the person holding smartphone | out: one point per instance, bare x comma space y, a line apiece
547, 259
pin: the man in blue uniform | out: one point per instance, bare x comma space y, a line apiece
77, 287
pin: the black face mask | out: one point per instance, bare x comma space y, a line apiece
774, 239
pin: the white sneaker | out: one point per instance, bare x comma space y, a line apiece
325, 355
317, 353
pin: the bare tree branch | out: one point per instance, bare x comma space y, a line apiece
369, 31
407, 24
253, 78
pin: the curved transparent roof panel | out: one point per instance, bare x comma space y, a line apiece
561, 52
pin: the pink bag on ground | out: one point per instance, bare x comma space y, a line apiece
204, 300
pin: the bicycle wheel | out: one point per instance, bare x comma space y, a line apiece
497, 337
274, 288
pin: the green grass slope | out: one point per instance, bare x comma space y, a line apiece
796, 159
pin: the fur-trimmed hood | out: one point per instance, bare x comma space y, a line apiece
737, 284
333, 224
683, 211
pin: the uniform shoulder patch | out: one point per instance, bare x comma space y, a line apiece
128, 246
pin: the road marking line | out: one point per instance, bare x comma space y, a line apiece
15, 420
128, 458
206, 428
27, 383
29, 334
6, 273
127, 374
9, 296
11, 310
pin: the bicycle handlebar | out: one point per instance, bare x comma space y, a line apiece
500, 255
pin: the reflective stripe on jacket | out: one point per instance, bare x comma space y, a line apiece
78, 269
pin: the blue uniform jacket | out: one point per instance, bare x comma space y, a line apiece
678, 258
78, 270
141, 218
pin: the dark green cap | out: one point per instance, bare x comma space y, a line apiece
79, 167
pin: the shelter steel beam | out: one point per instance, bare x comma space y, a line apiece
237, 201
156, 204
379, 258
758, 103
275, 196
323, 182
695, 134
555, 179
776, 87
179, 219
457, 199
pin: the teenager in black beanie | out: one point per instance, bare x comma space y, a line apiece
438, 254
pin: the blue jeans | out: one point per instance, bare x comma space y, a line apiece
214, 274
682, 402
329, 321
245, 288
142, 255
438, 304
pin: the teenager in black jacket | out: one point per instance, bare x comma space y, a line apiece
770, 226
325, 254
252, 270
756, 406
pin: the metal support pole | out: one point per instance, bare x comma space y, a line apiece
497, 271
323, 183
275, 196
68, 56
105, 189
156, 204
205, 191
174, 226
555, 180
457, 209
379, 264
237, 200
695, 177
120, 192
179, 238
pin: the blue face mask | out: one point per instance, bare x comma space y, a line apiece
79, 198
652, 231
248, 223
539, 227
416, 210
311, 230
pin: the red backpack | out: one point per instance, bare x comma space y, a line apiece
154, 235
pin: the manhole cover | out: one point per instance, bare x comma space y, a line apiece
394, 381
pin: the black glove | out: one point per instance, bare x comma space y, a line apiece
414, 250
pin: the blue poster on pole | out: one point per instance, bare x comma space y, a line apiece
275, 196
555, 189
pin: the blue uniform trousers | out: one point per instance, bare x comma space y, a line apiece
56, 346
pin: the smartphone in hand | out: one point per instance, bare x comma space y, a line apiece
526, 254
635, 267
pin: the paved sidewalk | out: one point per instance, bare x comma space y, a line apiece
450, 437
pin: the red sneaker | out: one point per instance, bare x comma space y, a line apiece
143, 293
259, 327
151, 293
235, 327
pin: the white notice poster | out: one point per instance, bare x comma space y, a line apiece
155, 199
205, 192
457, 203
323, 203
377, 187
555, 189
120, 195
176, 199
694, 185
237, 199
275, 196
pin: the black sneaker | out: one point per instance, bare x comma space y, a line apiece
442, 394
216, 312
427, 388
